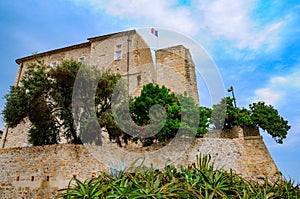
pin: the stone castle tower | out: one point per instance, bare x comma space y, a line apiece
125, 53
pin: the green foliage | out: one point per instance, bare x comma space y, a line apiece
44, 129
45, 97
204, 121
105, 89
218, 114
174, 106
268, 118
16, 107
89, 189
32, 100
198, 180
226, 116
104, 92
195, 118
63, 77
150, 96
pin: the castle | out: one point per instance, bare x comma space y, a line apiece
125, 53
38, 172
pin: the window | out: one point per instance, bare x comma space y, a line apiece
81, 59
118, 52
138, 78
53, 64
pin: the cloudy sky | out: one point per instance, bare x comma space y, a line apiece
254, 44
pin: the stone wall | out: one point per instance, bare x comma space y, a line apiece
16, 137
75, 52
135, 63
38, 172
175, 69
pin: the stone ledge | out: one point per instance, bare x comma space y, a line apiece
253, 137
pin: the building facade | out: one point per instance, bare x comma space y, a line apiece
125, 53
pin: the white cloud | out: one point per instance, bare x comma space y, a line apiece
211, 20
268, 95
294, 79
279, 80
232, 20
151, 13
284, 88
283, 92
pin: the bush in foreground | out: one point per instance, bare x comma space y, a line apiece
198, 180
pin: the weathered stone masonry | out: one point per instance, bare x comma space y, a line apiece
126, 53
38, 172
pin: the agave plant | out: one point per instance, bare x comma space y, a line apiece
118, 171
92, 188
199, 180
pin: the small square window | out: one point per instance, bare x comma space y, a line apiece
119, 47
139, 79
118, 55
81, 59
53, 64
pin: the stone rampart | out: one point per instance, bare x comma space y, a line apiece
38, 172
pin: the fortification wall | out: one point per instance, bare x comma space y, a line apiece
38, 172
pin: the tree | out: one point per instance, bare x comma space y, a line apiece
258, 115
104, 93
218, 114
268, 119
16, 107
151, 95
174, 106
44, 129
60, 93
32, 100
204, 121
45, 97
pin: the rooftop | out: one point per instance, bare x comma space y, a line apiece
76, 46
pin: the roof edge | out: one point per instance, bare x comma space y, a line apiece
103, 37
81, 45
50, 52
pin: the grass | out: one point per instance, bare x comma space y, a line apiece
198, 180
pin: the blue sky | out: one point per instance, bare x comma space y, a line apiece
255, 45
